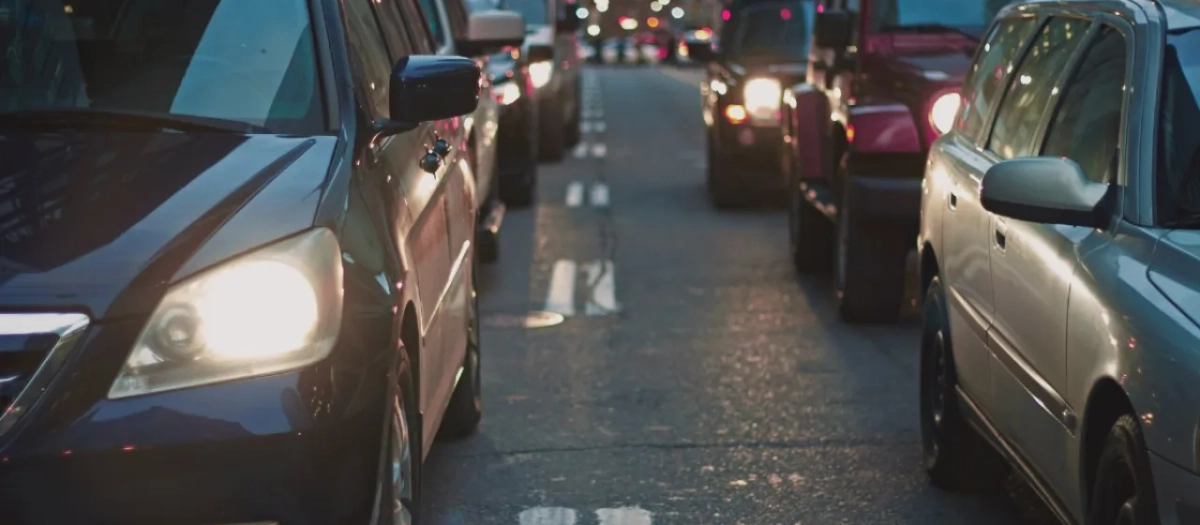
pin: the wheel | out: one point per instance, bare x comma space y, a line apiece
720, 192
465, 410
810, 234
1124, 490
572, 131
520, 191
869, 265
955, 455
400, 482
551, 142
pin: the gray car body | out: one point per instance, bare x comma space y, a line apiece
1112, 325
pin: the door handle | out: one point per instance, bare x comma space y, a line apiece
953, 201
1001, 239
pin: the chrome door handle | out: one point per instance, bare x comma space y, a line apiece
953, 201
1001, 239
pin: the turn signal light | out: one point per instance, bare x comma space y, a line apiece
735, 113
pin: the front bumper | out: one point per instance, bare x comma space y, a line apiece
1178, 492
752, 153
295, 448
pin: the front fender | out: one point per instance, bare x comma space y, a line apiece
883, 128
807, 137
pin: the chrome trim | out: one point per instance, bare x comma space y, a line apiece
68, 328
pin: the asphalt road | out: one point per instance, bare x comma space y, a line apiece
695, 379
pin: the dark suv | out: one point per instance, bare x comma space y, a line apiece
763, 48
226, 227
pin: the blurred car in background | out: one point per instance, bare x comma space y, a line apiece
552, 49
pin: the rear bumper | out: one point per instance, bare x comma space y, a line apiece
293, 448
1178, 492
886, 198
751, 154
516, 139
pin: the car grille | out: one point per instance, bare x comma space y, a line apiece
33, 347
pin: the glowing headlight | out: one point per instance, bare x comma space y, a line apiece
762, 98
539, 73
273, 310
507, 93
943, 111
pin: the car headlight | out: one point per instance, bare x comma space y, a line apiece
273, 310
762, 97
943, 111
506, 93
539, 73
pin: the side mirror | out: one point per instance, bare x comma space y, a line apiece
568, 21
833, 29
491, 31
1048, 190
540, 53
701, 51
425, 88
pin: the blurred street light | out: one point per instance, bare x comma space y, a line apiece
593, 30
652, 22
655, 6
581, 13
602, 6
677, 12
628, 24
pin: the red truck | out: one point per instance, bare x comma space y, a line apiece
882, 83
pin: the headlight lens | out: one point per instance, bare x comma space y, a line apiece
762, 98
507, 93
943, 111
539, 73
273, 310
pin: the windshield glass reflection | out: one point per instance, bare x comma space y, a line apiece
773, 32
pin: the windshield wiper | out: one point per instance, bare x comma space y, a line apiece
111, 119
929, 28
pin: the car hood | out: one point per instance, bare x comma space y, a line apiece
102, 222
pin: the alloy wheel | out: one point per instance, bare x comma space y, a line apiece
933, 396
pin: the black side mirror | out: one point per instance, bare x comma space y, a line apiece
426, 88
568, 21
540, 53
701, 51
834, 29
1049, 190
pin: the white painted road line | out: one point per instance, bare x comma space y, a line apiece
600, 127
593, 115
560, 298
586, 126
599, 150
574, 194
624, 516
601, 279
547, 516
599, 195
580, 151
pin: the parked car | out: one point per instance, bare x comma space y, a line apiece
236, 260
516, 138
552, 47
448, 22
882, 84
1059, 247
764, 47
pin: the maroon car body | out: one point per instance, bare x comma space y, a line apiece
882, 83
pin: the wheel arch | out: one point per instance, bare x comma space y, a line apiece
928, 268
1106, 403
410, 340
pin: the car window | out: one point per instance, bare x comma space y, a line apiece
1029, 86
994, 62
434, 21
394, 30
534, 11
771, 31
370, 51
251, 61
1086, 127
419, 32
1179, 128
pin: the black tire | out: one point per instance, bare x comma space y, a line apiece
465, 410
403, 421
810, 234
521, 191
870, 266
1124, 488
572, 132
955, 456
551, 140
722, 194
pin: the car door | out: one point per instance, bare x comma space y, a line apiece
1032, 266
417, 198
966, 251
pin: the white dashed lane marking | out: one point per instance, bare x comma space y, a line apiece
547, 516
600, 288
565, 516
560, 297
574, 194
599, 195
624, 516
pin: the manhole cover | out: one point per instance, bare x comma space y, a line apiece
534, 319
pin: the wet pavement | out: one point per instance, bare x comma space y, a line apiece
694, 379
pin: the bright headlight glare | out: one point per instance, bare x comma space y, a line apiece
539, 73
762, 98
270, 311
943, 111
507, 93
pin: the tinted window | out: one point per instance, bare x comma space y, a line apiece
1087, 126
534, 11
250, 61
995, 60
433, 21
1029, 87
394, 30
367, 44
972, 16
772, 31
414, 21
1179, 127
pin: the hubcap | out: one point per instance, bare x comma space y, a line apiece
401, 468
937, 407
934, 386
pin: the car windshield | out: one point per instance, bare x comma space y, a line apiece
244, 61
772, 31
968, 16
534, 11
1179, 155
